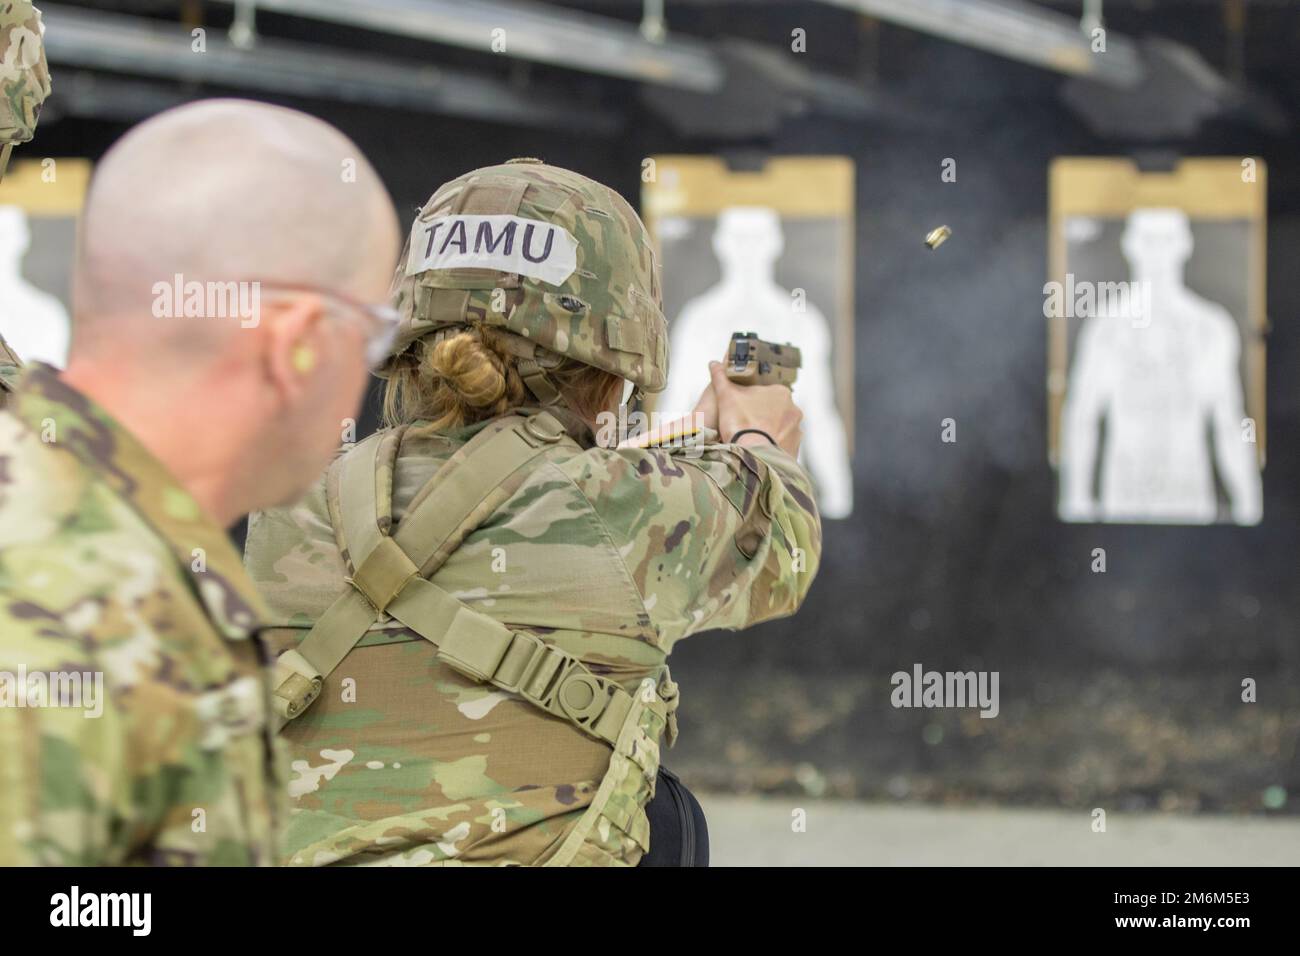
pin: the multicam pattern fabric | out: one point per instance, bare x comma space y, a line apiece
608, 313
108, 567
611, 555
24, 74
10, 369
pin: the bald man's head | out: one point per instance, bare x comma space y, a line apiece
225, 191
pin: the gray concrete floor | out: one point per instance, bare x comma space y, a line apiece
759, 831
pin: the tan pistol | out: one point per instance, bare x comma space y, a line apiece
752, 361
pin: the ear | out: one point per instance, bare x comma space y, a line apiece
294, 326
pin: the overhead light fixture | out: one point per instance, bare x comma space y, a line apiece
131, 45
1019, 31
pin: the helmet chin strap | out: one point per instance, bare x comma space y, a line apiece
538, 382
533, 362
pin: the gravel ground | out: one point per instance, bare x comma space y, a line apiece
759, 831
1129, 743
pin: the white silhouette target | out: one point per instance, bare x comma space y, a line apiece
748, 242
1153, 409
32, 321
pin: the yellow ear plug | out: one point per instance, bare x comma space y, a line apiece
304, 359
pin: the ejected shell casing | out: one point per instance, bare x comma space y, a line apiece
937, 237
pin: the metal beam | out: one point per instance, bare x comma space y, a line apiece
1010, 28
131, 45
529, 31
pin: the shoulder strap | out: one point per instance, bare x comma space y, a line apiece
359, 492
390, 581
357, 528
382, 568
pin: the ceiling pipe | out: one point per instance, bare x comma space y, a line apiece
528, 31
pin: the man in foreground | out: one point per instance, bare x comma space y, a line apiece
24, 85
228, 254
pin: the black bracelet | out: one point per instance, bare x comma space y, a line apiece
752, 431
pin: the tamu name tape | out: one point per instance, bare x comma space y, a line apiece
529, 247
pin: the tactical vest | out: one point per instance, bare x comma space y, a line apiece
389, 580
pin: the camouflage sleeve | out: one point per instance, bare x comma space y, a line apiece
719, 536
291, 555
62, 791
24, 72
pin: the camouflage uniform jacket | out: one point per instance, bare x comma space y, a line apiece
614, 556
11, 368
109, 568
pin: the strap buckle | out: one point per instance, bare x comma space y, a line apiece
298, 684
540, 665
557, 682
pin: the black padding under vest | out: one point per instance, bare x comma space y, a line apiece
679, 835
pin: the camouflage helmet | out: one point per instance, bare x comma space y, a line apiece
24, 75
557, 259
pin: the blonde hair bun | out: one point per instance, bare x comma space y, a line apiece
469, 368
472, 376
